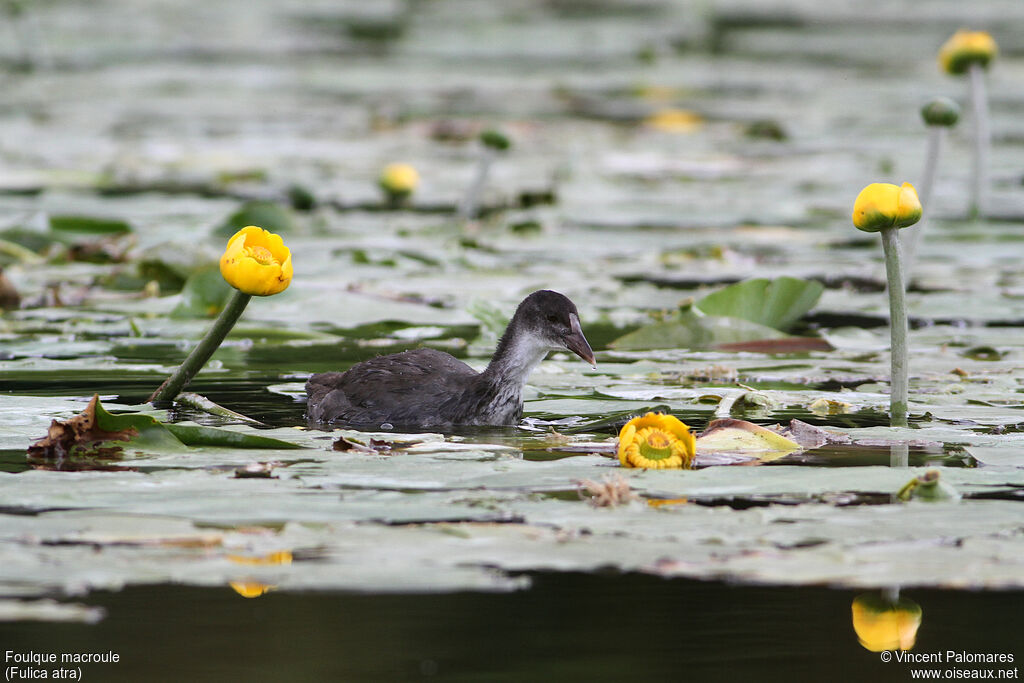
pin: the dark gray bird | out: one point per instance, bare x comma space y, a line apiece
429, 388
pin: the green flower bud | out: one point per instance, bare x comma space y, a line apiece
928, 487
495, 140
941, 111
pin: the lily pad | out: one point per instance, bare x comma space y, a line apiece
690, 330
776, 303
203, 295
89, 225
96, 432
268, 215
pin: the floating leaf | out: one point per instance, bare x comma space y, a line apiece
195, 435
267, 215
96, 432
690, 330
786, 345
89, 225
776, 303
204, 294
81, 436
739, 436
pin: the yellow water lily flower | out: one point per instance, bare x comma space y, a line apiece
882, 624
398, 180
674, 121
965, 48
884, 205
656, 441
256, 262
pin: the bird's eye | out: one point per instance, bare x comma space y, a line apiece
553, 319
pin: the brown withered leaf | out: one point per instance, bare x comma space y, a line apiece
258, 470
375, 447
343, 444
78, 436
785, 345
611, 491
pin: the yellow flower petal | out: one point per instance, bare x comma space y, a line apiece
965, 48
257, 262
884, 205
908, 206
656, 441
625, 439
399, 180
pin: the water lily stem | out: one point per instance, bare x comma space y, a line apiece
936, 134
470, 203
982, 140
202, 352
898, 328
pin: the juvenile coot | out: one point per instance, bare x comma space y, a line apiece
429, 388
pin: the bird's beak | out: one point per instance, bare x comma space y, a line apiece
577, 343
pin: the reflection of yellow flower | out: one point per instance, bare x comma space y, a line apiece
884, 205
398, 180
883, 624
965, 48
256, 262
280, 557
674, 121
656, 441
251, 589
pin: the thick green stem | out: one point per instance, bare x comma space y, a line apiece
931, 164
898, 328
202, 352
982, 140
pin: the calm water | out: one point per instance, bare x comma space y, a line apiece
567, 627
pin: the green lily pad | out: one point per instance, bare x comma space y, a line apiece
204, 294
690, 330
268, 215
776, 303
98, 433
89, 225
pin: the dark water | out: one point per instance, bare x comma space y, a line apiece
566, 627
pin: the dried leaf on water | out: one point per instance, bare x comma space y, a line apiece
81, 436
613, 490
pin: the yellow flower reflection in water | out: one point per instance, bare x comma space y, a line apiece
885, 624
656, 441
280, 557
251, 588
